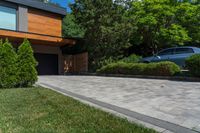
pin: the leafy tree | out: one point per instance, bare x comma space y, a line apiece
156, 27
145, 25
26, 65
107, 30
8, 69
188, 15
175, 34
71, 28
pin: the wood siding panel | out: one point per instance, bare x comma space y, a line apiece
46, 23
76, 63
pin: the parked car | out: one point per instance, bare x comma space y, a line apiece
177, 55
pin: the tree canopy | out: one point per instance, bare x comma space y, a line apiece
71, 28
107, 31
123, 27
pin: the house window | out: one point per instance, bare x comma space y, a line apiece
8, 18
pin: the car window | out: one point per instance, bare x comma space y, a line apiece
184, 51
198, 49
166, 52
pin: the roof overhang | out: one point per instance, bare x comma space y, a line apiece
36, 38
41, 6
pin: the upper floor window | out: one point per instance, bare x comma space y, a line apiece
8, 18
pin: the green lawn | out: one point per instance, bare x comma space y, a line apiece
39, 110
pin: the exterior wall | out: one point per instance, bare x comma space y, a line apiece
42, 22
81, 62
36, 21
76, 63
23, 18
47, 39
51, 50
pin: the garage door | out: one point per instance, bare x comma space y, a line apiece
48, 64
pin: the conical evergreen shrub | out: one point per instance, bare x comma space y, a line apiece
8, 69
26, 65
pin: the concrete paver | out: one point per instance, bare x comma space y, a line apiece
172, 101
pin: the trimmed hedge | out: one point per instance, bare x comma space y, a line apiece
153, 69
193, 64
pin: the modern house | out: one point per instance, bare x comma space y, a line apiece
41, 23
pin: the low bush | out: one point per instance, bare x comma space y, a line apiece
193, 64
162, 69
132, 59
154, 69
104, 62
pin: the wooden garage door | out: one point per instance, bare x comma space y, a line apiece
47, 64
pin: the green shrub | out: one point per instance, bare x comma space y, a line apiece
114, 68
162, 69
104, 62
154, 69
8, 69
132, 59
26, 65
193, 64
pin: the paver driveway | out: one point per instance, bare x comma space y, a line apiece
173, 101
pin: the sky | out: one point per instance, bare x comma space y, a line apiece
64, 3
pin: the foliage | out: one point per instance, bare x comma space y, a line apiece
71, 28
132, 59
143, 27
155, 69
8, 69
156, 25
107, 30
188, 15
17, 69
26, 65
175, 34
162, 69
193, 64
104, 62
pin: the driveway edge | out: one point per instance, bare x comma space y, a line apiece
149, 122
175, 78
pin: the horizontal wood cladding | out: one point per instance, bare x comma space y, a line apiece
36, 38
46, 23
76, 63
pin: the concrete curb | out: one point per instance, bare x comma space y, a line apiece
175, 78
157, 124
